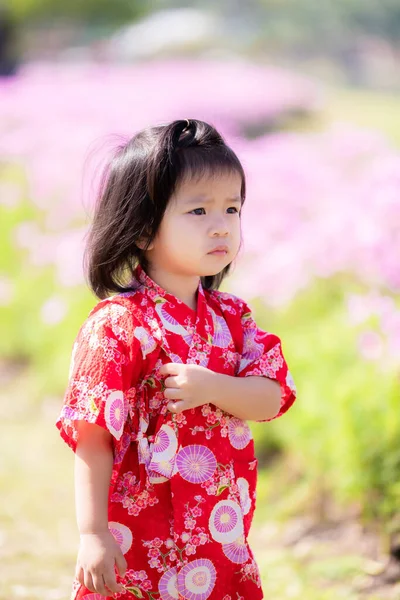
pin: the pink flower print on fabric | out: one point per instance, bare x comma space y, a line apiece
170, 323
245, 500
122, 535
155, 477
196, 463
239, 433
163, 451
252, 350
196, 580
226, 522
115, 413
274, 361
290, 382
147, 342
236, 551
167, 586
222, 336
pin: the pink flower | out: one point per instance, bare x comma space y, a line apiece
190, 523
134, 510
196, 540
370, 345
153, 552
154, 563
180, 418
196, 511
190, 549
146, 585
127, 502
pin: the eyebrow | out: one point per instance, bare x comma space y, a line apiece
204, 200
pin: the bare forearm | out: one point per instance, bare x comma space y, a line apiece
249, 398
93, 468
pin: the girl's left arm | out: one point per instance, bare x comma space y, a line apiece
262, 388
248, 398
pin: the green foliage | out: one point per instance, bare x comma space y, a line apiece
324, 22
46, 348
91, 12
343, 429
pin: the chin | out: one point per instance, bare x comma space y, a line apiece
211, 272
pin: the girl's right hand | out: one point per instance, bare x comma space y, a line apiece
97, 556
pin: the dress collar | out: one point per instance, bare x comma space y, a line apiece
142, 277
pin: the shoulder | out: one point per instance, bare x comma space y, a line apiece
118, 315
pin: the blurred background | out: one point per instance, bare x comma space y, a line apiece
307, 93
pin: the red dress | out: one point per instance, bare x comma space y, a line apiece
183, 487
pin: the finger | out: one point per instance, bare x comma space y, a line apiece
98, 583
79, 575
170, 369
173, 394
88, 582
111, 582
176, 407
121, 564
171, 381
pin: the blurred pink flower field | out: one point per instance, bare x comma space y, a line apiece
319, 204
320, 265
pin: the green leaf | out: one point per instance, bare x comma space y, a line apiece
221, 489
135, 591
150, 381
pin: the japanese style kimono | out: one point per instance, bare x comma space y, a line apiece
183, 487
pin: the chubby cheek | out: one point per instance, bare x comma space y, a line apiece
181, 237
235, 235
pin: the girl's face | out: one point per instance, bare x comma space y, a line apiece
201, 216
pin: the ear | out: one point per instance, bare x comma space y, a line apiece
141, 243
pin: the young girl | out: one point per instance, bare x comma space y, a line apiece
164, 375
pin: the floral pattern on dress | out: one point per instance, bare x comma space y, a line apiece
183, 486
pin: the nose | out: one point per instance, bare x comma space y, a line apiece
219, 226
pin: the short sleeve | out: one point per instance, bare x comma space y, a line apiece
105, 364
262, 355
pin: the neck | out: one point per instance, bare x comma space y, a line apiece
183, 287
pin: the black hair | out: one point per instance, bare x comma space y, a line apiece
135, 189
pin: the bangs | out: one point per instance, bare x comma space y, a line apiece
196, 162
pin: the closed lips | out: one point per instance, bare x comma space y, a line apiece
219, 249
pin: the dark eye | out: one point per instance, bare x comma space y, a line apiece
234, 208
194, 211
